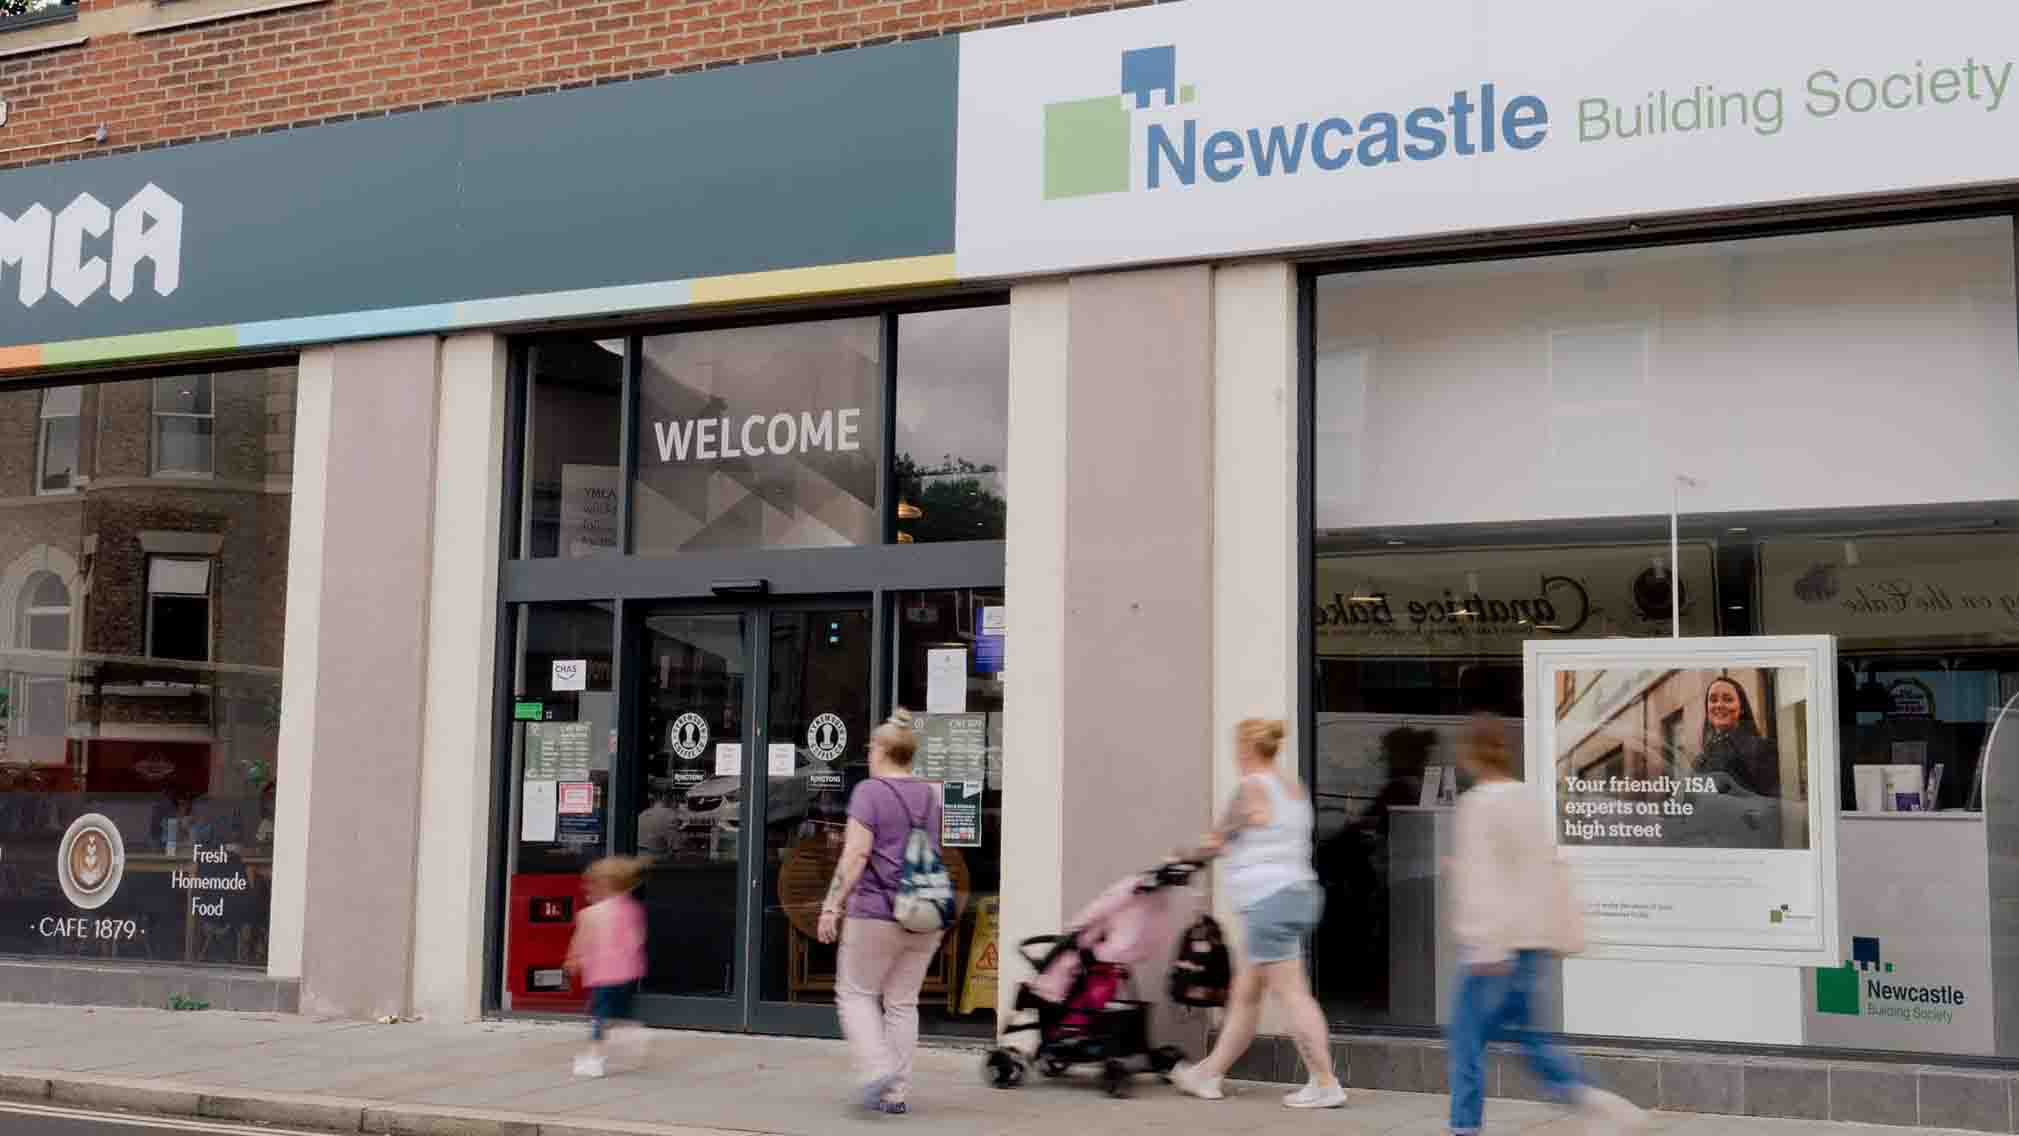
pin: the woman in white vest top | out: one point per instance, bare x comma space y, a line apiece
1263, 845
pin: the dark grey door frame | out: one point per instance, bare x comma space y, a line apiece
745, 1007
875, 573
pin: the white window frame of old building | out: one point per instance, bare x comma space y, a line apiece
59, 404
162, 583
162, 417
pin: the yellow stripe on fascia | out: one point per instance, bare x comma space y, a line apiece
145, 345
861, 276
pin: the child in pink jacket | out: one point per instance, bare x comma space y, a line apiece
607, 953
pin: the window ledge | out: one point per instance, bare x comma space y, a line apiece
194, 12
10, 49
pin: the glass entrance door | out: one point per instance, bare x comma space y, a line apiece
751, 727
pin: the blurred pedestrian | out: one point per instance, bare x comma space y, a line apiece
1513, 908
882, 963
607, 954
1264, 847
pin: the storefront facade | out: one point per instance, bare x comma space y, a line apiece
611, 513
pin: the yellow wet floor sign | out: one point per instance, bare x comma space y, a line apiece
977, 992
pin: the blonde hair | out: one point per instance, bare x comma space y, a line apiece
1484, 744
898, 739
618, 873
1263, 735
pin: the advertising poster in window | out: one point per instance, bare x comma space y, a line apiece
1691, 784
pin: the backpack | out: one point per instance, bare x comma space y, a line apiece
1203, 969
923, 899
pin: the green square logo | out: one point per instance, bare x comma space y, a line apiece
1837, 990
1086, 148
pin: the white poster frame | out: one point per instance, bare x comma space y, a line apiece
1542, 660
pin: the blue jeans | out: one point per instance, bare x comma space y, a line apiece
1492, 1007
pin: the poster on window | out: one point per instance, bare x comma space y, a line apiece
1690, 784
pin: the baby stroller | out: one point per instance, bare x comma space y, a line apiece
1087, 1008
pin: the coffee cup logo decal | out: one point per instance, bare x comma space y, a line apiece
688, 736
827, 737
91, 861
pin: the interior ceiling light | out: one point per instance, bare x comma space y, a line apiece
906, 511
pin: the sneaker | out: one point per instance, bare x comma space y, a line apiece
586, 1066
1606, 1112
1314, 1095
893, 1108
872, 1093
1193, 1083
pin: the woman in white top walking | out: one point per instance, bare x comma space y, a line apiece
1264, 847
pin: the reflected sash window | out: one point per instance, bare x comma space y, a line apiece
185, 419
57, 443
178, 608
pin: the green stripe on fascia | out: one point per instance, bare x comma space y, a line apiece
151, 344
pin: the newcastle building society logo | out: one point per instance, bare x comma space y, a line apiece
1863, 987
1090, 145
1087, 140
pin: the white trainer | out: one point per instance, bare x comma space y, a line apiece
1195, 1084
1313, 1095
1611, 1113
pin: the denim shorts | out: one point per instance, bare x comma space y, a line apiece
609, 1004
1280, 921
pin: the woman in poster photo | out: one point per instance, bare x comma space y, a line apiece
1734, 752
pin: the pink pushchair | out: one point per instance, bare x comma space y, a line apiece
1084, 997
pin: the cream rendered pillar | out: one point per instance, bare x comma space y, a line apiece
456, 789
1255, 540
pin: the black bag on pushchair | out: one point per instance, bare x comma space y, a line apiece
1203, 968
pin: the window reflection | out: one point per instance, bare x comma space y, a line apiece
951, 456
141, 622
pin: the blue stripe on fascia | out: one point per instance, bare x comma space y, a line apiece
615, 300
354, 325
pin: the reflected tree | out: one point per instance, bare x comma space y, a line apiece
955, 500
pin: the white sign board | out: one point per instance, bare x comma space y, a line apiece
1219, 128
728, 759
1692, 786
781, 759
1915, 976
946, 680
571, 674
539, 808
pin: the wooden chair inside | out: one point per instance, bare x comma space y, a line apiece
803, 878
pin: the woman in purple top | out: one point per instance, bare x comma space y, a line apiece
882, 965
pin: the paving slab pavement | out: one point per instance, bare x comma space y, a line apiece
512, 1078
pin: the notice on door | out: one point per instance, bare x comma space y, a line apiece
577, 798
557, 751
729, 759
955, 747
960, 814
781, 760
955, 754
537, 810
946, 680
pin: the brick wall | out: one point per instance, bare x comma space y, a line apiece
343, 59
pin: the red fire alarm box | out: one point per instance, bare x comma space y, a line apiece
542, 920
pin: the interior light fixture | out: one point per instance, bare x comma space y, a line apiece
906, 511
